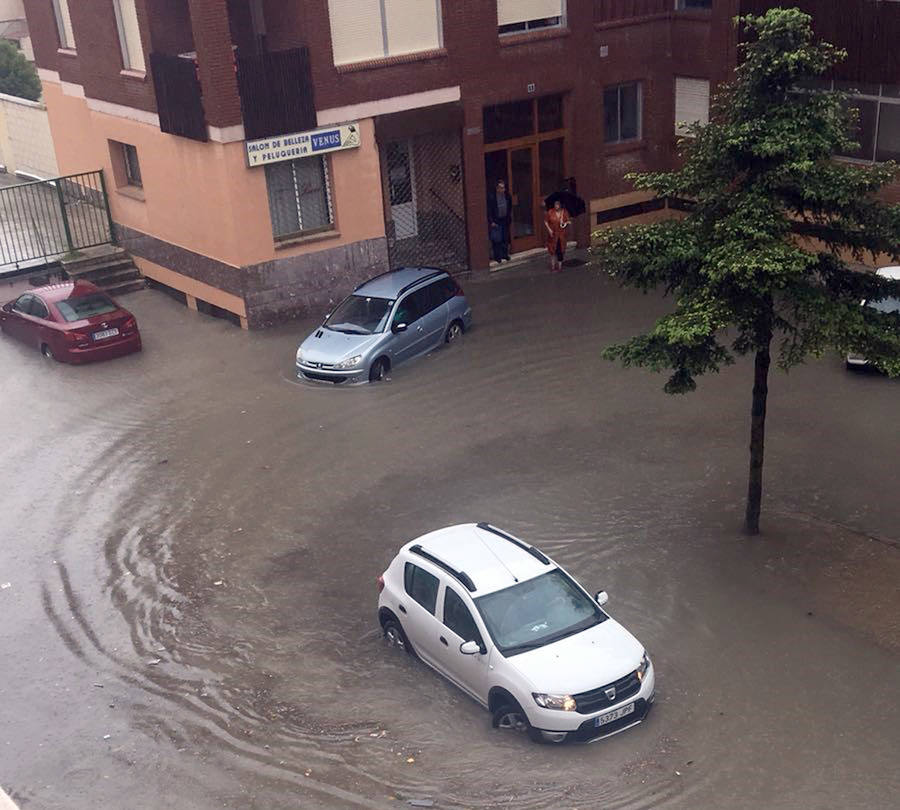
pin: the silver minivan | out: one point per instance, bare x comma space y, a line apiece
386, 321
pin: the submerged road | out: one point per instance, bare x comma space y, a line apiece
191, 537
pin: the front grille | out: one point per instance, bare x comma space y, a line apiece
596, 699
312, 375
587, 731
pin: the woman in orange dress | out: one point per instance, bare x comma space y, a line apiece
556, 222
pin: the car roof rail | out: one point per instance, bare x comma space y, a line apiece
462, 576
536, 553
418, 281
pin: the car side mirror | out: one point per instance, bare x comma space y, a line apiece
7, 307
399, 327
602, 598
470, 648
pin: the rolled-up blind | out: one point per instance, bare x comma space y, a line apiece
691, 102
516, 11
356, 33
412, 26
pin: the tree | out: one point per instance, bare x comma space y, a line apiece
17, 75
761, 257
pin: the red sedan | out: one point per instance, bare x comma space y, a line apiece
73, 322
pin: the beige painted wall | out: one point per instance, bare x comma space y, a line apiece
12, 10
26, 145
202, 196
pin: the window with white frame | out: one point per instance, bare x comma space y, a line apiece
691, 103
64, 24
374, 29
129, 35
878, 132
518, 16
622, 112
299, 197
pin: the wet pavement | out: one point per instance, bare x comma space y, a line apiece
191, 539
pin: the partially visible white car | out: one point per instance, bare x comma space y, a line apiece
885, 305
510, 627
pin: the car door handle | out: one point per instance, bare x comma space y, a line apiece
444, 641
401, 608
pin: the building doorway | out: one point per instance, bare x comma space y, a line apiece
525, 146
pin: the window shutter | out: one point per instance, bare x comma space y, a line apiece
131, 33
516, 11
356, 32
412, 26
691, 102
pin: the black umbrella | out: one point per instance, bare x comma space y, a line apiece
568, 200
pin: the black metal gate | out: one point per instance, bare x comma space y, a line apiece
50, 218
425, 212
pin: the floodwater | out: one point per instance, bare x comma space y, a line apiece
191, 540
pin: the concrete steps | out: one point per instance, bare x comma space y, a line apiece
109, 267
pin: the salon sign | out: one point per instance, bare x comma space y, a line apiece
302, 144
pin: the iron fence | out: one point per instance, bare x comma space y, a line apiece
49, 218
425, 207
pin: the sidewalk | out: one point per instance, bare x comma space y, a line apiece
535, 262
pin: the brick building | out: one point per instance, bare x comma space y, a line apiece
266, 155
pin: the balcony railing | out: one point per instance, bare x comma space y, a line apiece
613, 10
179, 99
276, 93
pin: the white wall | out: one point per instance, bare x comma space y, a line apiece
26, 145
12, 10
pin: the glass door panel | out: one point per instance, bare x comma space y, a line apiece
521, 173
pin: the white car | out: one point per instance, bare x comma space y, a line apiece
885, 305
511, 628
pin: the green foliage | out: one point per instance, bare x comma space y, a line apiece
759, 257
17, 76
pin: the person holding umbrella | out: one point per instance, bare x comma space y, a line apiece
556, 222
561, 207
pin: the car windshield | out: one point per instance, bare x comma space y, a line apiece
76, 309
537, 612
886, 305
359, 315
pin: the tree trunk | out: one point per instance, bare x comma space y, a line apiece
757, 438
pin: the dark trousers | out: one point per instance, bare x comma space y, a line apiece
501, 248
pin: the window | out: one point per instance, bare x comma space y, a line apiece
622, 112
878, 127
374, 29
299, 196
132, 167
86, 306
421, 586
537, 611
129, 35
691, 103
458, 619
64, 24
23, 304
680, 5
517, 119
359, 315
39, 309
517, 16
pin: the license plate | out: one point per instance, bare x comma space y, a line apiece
623, 711
105, 334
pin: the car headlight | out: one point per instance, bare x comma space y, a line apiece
300, 357
564, 703
350, 362
644, 666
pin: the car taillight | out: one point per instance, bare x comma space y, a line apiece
380, 582
131, 323
75, 337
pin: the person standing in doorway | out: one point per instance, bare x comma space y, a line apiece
499, 206
556, 222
